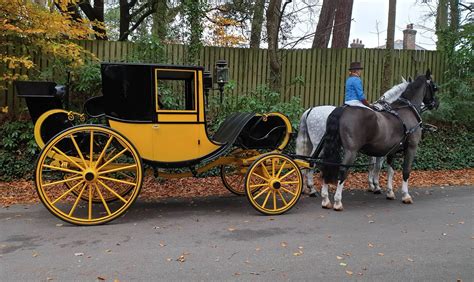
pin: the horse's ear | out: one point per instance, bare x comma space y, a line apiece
428, 74
410, 79
404, 80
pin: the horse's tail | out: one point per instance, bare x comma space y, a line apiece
331, 154
303, 144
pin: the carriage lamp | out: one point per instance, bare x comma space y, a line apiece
222, 75
207, 81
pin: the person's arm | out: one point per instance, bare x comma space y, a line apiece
360, 92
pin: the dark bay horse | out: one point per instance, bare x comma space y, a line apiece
377, 134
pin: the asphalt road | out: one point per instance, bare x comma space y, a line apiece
225, 239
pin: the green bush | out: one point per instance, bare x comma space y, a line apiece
18, 150
457, 93
261, 100
448, 148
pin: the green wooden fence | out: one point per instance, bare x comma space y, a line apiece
317, 76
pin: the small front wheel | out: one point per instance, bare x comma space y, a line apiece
273, 184
83, 169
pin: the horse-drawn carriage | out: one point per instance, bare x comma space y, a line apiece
89, 173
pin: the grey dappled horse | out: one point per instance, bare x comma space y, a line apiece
313, 126
378, 134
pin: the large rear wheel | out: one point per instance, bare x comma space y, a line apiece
88, 175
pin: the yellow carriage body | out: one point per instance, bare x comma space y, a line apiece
174, 135
91, 174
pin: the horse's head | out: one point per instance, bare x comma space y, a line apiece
429, 98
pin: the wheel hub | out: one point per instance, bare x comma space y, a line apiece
90, 175
275, 184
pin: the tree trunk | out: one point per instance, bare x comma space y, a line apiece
325, 24
194, 12
387, 67
257, 21
99, 16
124, 20
441, 23
160, 20
342, 24
273, 28
454, 15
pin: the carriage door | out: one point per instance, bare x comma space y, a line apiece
176, 135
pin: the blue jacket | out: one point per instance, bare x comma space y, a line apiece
354, 90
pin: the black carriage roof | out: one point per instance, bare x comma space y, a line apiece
165, 66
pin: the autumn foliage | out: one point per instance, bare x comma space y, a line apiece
28, 30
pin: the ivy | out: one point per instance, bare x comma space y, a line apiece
194, 12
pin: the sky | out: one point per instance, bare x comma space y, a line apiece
367, 12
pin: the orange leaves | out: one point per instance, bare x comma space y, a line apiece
225, 32
13, 62
31, 28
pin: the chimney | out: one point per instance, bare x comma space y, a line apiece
409, 37
356, 43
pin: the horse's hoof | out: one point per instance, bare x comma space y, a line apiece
313, 195
407, 199
370, 190
391, 195
338, 206
326, 204
378, 191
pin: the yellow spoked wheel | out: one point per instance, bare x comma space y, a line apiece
88, 175
231, 174
273, 184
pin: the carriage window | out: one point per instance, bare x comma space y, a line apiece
175, 90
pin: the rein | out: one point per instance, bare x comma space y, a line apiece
416, 110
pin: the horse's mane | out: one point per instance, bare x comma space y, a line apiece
394, 93
412, 87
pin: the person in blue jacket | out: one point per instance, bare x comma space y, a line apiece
354, 90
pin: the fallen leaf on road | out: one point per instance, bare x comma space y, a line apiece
162, 245
237, 273
360, 273
254, 273
78, 254
349, 272
339, 258
343, 264
297, 254
231, 229
59, 224
283, 244
370, 245
257, 249
461, 222
445, 234
410, 260
169, 259
35, 254
300, 247
381, 254
108, 251
100, 278
371, 221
